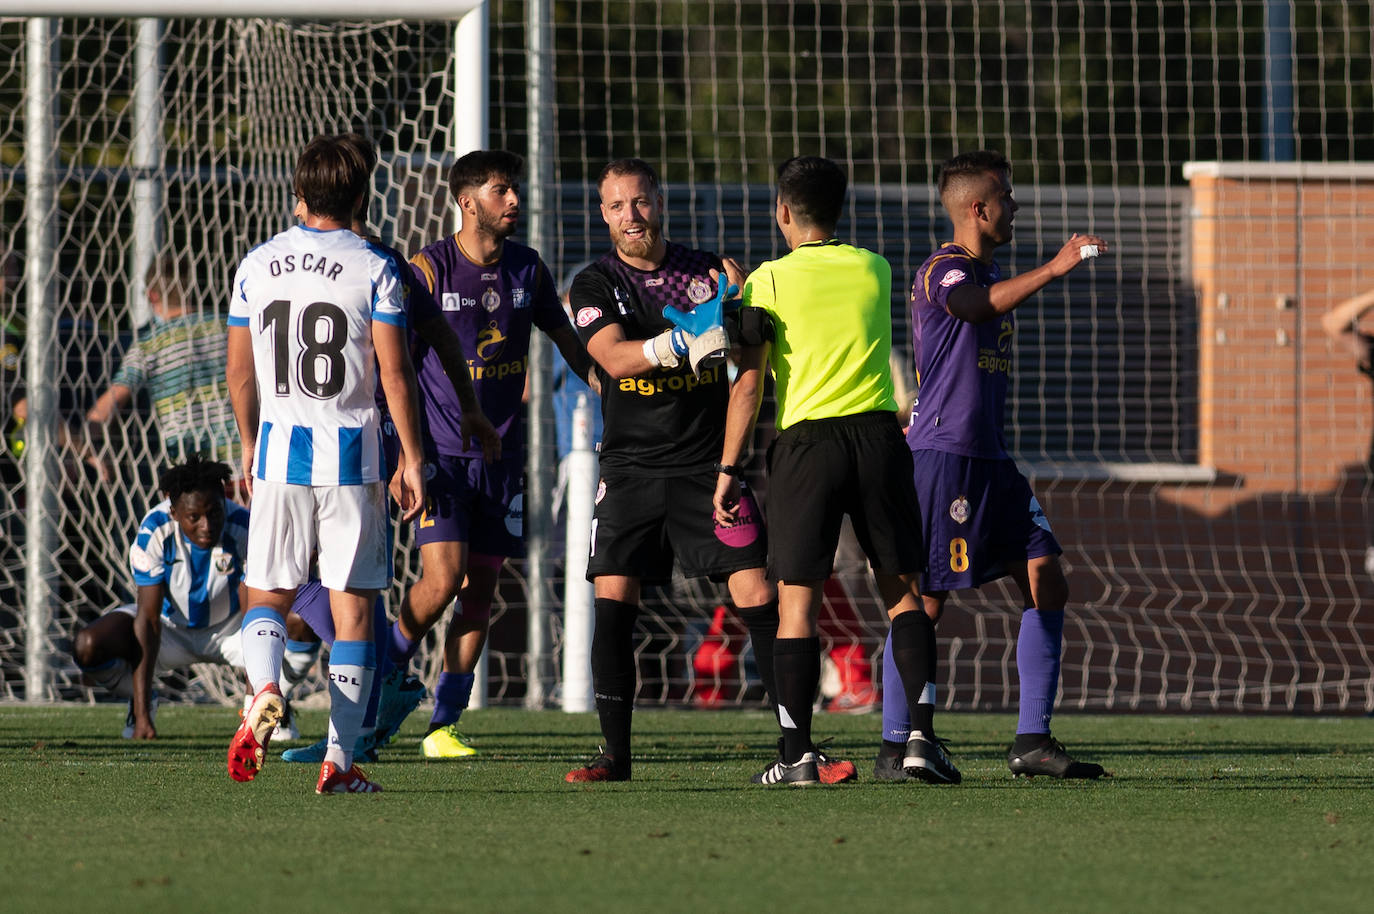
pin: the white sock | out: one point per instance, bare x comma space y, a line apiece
264, 643
352, 665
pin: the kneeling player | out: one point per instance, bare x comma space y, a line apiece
187, 560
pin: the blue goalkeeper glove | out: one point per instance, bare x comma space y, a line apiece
704, 322
707, 314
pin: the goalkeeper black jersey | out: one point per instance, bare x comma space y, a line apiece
667, 422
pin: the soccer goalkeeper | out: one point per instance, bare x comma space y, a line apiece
663, 427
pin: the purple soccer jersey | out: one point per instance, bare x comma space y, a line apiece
962, 369
491, 307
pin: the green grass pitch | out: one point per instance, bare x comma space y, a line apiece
1212, 814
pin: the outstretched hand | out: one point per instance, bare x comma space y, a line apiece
1076, 250
708, 314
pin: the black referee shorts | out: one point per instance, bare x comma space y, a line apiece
820, 470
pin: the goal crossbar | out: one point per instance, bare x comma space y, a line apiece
248, 9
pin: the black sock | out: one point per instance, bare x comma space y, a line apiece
924, 719
762, 622
890, 748
613, 674
912, 633
797, 669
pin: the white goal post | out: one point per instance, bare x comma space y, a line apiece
469, 130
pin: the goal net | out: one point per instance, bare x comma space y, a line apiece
1197, 440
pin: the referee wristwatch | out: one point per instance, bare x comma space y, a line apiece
729, 469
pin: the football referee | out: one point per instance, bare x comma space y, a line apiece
839, 451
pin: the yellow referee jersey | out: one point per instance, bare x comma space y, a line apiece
831, 305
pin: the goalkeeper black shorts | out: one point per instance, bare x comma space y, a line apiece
642, 523
822, 469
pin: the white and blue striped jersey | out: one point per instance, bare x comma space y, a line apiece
309, 298
200, 586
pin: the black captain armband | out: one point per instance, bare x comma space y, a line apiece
749, 326
729, 469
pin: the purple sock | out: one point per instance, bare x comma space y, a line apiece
401, 648
379, 642
896, 716
450, 698
1037, 665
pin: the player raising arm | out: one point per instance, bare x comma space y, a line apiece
981, 520
311, 310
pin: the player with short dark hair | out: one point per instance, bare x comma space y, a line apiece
317, 318
492, 292
981, 519
187, 563
663, 423
839, 451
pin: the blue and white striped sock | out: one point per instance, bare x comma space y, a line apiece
264, 644
352, 665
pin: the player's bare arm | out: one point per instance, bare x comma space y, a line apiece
243, 393
1342, 319
573, 352
746, 396
148, 634
977, 305
402, 401
622, 358
474, 424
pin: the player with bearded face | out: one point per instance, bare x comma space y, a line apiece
663, 426
492, 292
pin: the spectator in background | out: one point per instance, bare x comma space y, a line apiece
1342, 324
178, 357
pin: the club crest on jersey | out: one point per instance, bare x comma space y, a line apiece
953, 278
141, 560
585, 316
698, 291
490, 339
519, 298
491, 299
224, 561
959, 510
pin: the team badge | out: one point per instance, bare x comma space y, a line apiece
141, 560
519, 298
698, 291
953, 278
431, 470
490, 339
224, 561
600, 491
959, 510
586, 316
491, 299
